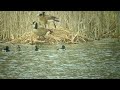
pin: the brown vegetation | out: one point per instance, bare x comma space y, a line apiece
57, 36
74, 26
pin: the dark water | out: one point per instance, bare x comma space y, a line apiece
92, 60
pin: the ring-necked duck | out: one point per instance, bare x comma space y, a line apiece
7, 49
36, 48
63, 47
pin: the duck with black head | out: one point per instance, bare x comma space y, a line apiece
18, 48
62, 48
36, 48
7, 49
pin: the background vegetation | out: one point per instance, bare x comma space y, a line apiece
93, 25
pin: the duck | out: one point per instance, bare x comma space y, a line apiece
18, 48
36, 48
62, 48
7, 49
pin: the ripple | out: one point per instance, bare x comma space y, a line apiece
99, 60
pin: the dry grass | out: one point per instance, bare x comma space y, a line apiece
57, 36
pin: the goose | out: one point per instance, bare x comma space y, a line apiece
40, 31
45, 19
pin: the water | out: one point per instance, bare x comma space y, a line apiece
92, 60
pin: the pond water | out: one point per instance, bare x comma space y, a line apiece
91, 60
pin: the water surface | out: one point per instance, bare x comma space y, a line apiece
91, 60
